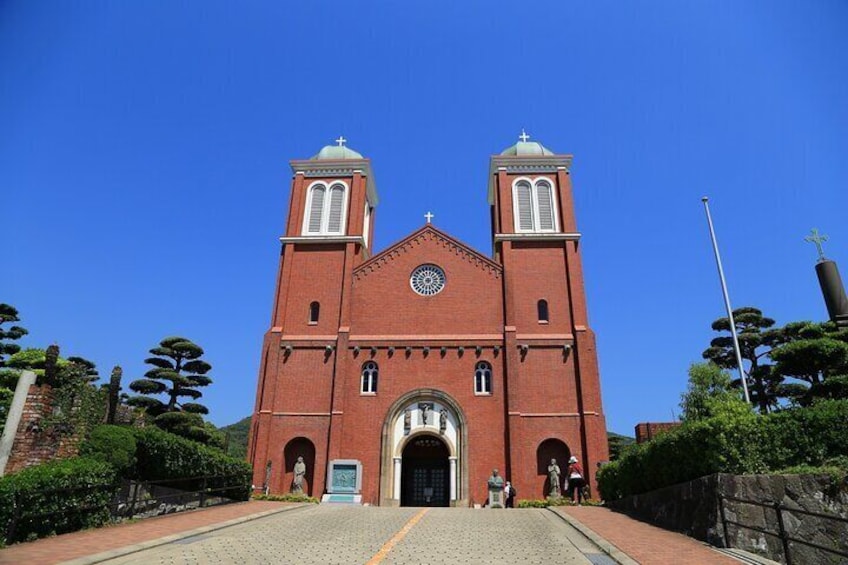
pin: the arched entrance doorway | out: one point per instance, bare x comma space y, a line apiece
425, 479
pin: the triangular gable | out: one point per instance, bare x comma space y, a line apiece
428, 233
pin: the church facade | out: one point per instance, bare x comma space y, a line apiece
422, 367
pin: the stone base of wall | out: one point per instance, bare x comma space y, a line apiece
694, 509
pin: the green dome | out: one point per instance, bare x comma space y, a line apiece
336, 152
527, 148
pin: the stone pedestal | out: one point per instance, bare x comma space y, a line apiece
496, 498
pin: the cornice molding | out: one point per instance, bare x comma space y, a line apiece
523, 164
574, 236
317, 239
335, 168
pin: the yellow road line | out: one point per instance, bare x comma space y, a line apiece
387, 547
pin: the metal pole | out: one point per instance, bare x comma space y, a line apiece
742, 376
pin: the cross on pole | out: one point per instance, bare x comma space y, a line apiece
523, 137
341, 141
818, 240
429, 216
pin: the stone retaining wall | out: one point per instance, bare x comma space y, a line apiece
693, 508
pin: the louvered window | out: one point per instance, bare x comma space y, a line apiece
546, 206
534, 206
326, 210
316, 208
524, 203
334, 225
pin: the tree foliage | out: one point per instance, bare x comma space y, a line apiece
9, 314
709, 394
756, 337
177, 371
815, 357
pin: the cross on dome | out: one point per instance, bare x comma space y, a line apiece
429, 216
818, 240
341, 141
523, 137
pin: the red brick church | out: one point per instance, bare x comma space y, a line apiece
416, 370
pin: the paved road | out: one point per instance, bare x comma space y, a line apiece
328, 534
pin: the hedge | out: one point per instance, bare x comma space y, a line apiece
114, 445
56, 497
737, 443
162, 456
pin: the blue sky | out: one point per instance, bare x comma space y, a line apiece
144, 152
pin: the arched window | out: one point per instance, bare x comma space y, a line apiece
534, 207
542, 308
370, 372
314, 312
325, 209
483, 378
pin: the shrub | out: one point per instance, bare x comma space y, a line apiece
533, 503
736, 442
114, 445
56, 497
164, 456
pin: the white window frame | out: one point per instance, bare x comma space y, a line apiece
534, 205
483, 385
325, 210
369, 378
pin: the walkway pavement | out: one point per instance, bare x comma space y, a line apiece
139, 533
273, 532
625, 538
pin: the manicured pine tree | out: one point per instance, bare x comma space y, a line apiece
817, 356
178, 373
756, 340
9, 314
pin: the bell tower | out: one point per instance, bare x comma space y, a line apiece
328, 233
553, 389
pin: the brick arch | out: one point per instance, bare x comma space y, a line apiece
299, 446
389, 449
551, 448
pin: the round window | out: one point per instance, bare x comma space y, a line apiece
427, 280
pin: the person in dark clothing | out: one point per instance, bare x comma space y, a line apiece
509, 493
576, 482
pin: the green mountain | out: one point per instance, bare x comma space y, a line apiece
617, 443
237, 437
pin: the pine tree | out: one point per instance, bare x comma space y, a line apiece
9, 314
178, 372
756, 340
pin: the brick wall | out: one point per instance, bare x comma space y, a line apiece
34, 444
646, 431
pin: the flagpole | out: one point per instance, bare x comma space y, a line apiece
742, 376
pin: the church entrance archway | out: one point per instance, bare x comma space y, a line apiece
425, 479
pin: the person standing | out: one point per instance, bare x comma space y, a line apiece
509, 493
576, 482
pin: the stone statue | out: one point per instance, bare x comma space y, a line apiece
443, 420
266, 488
425, 413
553, 477
407, 420
299, 472
495, 482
